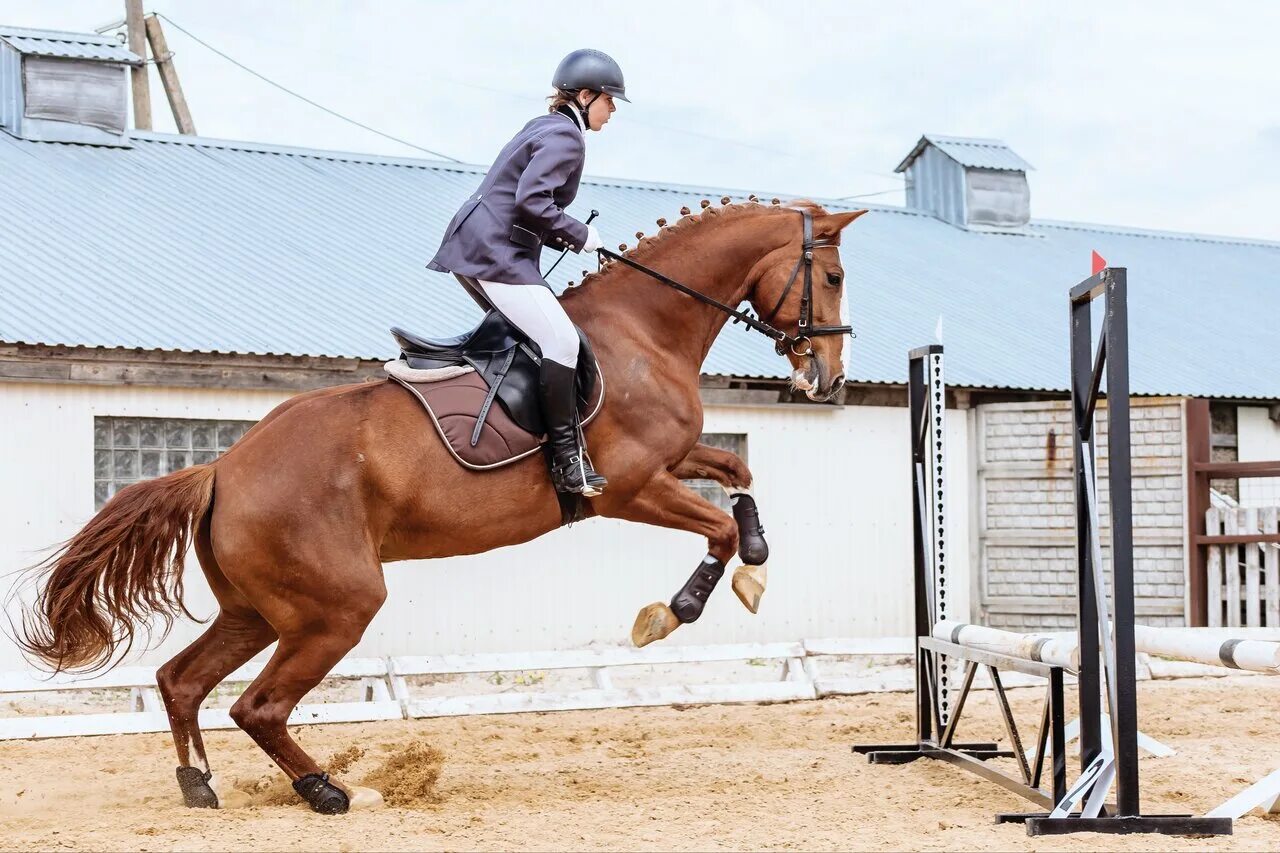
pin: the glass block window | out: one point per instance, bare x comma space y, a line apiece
126, 450
710, 489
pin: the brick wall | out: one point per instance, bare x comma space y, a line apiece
1026, 513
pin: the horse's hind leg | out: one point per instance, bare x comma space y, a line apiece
185, 681
727, 469
316, 630
237, 634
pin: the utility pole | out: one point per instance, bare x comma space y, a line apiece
138, 45
169, 76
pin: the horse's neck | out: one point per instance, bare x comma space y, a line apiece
714, 261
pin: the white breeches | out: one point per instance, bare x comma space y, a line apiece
534, 310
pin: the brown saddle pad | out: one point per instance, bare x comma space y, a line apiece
454, 407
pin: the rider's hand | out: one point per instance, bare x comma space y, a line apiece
593, 240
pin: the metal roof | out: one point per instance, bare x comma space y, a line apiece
971, 152
67, 45
192, 244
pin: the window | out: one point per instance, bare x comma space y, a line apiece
76, 91
710, 489
126, 450
996, 197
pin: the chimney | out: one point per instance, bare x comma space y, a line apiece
64, 87
975, 184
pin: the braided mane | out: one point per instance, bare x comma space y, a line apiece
689, 225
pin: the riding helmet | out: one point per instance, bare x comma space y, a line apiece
590, 69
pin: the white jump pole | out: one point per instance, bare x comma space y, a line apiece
1189, 644
1264, 794
1054, 649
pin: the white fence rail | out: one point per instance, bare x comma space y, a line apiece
389, 695
148, 714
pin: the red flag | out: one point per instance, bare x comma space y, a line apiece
1099, 263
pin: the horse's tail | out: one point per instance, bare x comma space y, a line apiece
124, 567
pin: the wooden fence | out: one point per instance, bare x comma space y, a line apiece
1243, 576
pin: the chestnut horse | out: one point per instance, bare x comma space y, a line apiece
293, 523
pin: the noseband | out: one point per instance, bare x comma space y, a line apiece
799, 344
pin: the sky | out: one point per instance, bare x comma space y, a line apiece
1161, 115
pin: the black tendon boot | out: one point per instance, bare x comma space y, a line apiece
687, 604
194, 784
571, 470
323, 796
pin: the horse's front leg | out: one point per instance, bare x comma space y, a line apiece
711, 463
665, 502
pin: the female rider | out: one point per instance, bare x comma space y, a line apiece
494, 242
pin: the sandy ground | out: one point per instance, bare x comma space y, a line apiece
772, 777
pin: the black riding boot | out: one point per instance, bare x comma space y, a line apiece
571, 470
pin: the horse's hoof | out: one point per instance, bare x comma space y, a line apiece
229, 797
194, 784
748, 585
363, 799
653, 623
323, 796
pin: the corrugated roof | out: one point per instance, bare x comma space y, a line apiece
67, 45
198, 245
970, 151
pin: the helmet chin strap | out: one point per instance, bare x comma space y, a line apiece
584, 110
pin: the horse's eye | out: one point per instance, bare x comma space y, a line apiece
833, 279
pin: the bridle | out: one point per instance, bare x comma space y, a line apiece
799, 344
806, 330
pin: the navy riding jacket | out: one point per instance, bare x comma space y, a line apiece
498, 233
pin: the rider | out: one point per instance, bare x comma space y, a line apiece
495, 239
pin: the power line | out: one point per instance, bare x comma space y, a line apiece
507, 93
867, 195
526, 97
303, 98
520, 96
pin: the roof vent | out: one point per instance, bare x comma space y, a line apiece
64, 87
976, 184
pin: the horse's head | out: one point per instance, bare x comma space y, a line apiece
777, 290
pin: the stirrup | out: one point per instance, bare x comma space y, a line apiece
593, 483
588, 485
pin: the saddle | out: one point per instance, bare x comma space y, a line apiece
480, 389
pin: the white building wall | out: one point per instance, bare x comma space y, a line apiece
832, 483
1259, 441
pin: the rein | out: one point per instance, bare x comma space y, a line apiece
782, 341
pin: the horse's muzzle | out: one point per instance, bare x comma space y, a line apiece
836, 385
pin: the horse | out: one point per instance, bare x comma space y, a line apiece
293, 524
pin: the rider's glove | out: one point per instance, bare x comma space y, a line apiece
593, 240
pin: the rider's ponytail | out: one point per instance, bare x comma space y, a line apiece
560, 98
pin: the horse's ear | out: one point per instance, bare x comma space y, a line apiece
834, 223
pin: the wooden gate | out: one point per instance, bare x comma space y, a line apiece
1243, 577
